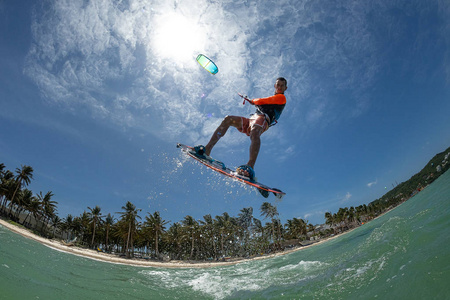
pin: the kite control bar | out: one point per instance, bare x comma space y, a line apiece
245, 99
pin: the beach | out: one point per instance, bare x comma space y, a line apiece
111, 258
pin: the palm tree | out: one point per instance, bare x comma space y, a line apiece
109, 221
34, 209
224, 224
83, 224
269, 228
311, 228
329, 219
296, 228
261, 236
157, 227
96, 217
56, 222
48, 206
129, 216
24, 199
79, 224
7, 187
245, 217
257, 227
174, 237
68, 226
270, 211
191, 225
245, 221
208, 227
18, 205
351, 216
24, 176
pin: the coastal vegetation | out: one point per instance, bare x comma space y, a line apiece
125, 233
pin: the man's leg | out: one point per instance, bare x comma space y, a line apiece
255, 144
221, 130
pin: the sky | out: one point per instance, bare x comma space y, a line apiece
95, 95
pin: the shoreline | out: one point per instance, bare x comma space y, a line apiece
111, 258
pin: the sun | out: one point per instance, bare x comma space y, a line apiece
177, 38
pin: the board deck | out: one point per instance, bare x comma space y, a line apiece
222, 169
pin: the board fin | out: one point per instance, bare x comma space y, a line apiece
265, 193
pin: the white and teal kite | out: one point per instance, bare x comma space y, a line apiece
207, 64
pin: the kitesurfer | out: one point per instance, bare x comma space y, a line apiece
268, 111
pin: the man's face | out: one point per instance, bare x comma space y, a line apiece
280, 87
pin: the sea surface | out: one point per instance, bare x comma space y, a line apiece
404, 254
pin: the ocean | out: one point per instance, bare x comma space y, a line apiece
404, 254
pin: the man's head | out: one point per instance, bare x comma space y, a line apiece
280, 85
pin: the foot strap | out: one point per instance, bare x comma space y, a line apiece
248, 169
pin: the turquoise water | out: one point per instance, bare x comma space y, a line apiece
404, 254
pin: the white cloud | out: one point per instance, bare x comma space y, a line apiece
372, 183
346, 198
306, 216
90, 56
285, 154
313, 215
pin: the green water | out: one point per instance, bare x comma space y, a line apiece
404, 254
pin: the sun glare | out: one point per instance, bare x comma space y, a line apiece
178, 38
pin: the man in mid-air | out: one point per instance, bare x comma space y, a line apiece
268, 111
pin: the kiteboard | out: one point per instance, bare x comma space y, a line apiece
220, 167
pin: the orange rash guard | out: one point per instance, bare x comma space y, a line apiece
279, 99
271, 107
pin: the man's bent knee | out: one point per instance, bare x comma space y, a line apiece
231, 121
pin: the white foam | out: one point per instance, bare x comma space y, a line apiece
220, 286
303, 265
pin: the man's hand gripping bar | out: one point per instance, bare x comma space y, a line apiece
245, 99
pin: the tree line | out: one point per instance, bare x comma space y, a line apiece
211, 238
347, 218
128, 234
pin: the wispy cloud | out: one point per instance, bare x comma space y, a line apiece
370, 184
101, 56
313, 215
283, 155
106, 58
346, 198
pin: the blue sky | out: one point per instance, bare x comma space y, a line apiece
94, 95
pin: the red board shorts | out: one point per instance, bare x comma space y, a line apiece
255, 120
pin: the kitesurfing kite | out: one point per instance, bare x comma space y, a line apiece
207, 64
